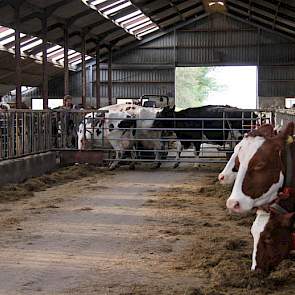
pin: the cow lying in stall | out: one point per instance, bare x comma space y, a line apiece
262, 177
232, 127
112, 133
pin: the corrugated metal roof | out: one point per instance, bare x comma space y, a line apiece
120, 23
29, 44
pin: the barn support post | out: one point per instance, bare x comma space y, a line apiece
90, 79
17, 58
66, 60
84, 86
44, 63
97, 80
110, 76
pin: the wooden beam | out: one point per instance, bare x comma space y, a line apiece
44, 64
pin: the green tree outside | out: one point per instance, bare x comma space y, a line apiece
193, 85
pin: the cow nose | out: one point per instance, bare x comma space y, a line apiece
233, 205
220, 177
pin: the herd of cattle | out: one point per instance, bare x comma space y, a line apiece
124, 127
260, 169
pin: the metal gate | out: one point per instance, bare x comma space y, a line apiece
283, 117
169, 142
29, 132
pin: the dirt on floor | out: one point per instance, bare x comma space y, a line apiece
83, 230
220, 253
13, 192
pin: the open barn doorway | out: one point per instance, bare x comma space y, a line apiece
229, 85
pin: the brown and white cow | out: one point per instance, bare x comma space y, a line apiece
275, 240
272, 232
229, 172
260, 167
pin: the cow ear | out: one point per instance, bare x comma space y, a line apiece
288, 131
287, 219
265, 130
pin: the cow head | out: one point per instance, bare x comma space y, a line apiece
275, 242
166, 112
229, 173
260, 169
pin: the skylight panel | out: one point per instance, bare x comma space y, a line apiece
109, 6
109, 9
73, 54
7, 40
54, 48
6, 33
141, 26
31, 45
55, 53
124, 5
128, 16
148, 32
96, 2
79, 61
137, 22
49, 55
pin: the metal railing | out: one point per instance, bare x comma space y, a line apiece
24, 132
168, 152
29, 132
283, 117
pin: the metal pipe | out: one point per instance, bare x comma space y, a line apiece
110, 76
44, 63
84, 82
17, 59
97, 80
66, 61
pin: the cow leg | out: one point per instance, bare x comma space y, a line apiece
179, 148
115, 163
197, 147
133, 157
157, 147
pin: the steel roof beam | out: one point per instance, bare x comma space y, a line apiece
63, 21
276, 15
187, 12
255, 24
156, 36
259, 16
70, 21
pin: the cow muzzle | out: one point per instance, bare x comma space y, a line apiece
226, 179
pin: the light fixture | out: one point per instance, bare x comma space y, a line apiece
216, 2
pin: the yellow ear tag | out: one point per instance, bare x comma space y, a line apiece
290, 139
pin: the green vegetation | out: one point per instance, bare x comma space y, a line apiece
193, 85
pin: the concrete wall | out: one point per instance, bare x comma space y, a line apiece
18, 170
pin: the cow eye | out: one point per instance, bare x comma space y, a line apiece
259, 166
268, 240
235, 169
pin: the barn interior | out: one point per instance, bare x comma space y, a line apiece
99, 51
69, 225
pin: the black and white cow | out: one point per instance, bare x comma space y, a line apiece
221, 130
109, 129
